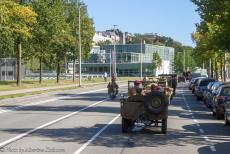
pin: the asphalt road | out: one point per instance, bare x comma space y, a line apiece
86, 121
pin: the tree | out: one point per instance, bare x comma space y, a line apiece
87, 31
212, 34
17, 22
156, 61
43, 32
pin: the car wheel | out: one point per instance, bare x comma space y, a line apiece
164, 126
218, 116
226, 122
193, 91
213, 113
198, 98
126, 124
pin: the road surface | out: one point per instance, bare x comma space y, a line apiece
86, 121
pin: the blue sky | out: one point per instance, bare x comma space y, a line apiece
173, 18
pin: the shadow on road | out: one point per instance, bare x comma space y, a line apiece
113, 137
66, 108
221, 148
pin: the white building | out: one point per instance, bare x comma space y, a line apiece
102, 36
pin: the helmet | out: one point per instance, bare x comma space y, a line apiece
137, 82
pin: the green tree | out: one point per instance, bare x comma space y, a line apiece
87, 30
17, 22
156, 61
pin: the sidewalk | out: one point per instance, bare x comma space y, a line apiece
30, 90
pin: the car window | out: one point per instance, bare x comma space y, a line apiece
203, 83
226, 91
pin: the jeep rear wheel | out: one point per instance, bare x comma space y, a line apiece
164, 126
126, 124
218, 115
156, 103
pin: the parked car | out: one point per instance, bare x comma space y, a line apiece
207, 92
194, 83
200, 87
191, 83
213, 92
227, 113
219, 101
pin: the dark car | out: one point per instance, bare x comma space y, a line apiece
195, 80
227, 113
201, 86
219, 101
207, 93
214, 88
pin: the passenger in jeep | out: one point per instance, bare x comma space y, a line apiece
137, 90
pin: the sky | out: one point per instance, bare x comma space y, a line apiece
171, 18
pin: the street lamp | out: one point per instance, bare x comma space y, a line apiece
141, 60
79, 38
115, 54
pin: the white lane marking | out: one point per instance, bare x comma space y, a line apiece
48, 100
201, 131
95, 136
206, 138
212, 147
195, 120
2, 144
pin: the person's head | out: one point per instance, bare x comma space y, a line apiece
137, 83
155, 87
145, 78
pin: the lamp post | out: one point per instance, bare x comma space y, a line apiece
115, 54
141, 60
79, 38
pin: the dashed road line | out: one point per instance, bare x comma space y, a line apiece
195, 120
212, 147
201, 131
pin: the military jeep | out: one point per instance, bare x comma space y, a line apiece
151, 108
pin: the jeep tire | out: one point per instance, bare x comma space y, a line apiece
126, 124
156, 102
164, 126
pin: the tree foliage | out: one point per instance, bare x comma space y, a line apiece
156, 61
212, 34
47, 29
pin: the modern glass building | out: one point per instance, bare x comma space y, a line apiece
128, 58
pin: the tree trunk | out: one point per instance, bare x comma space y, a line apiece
58, 71
74, 70
19, 68
221, 67
40, 69
216, 70
212, 68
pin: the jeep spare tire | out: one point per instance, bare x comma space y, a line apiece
156, 102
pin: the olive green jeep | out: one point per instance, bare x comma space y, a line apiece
150, 108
